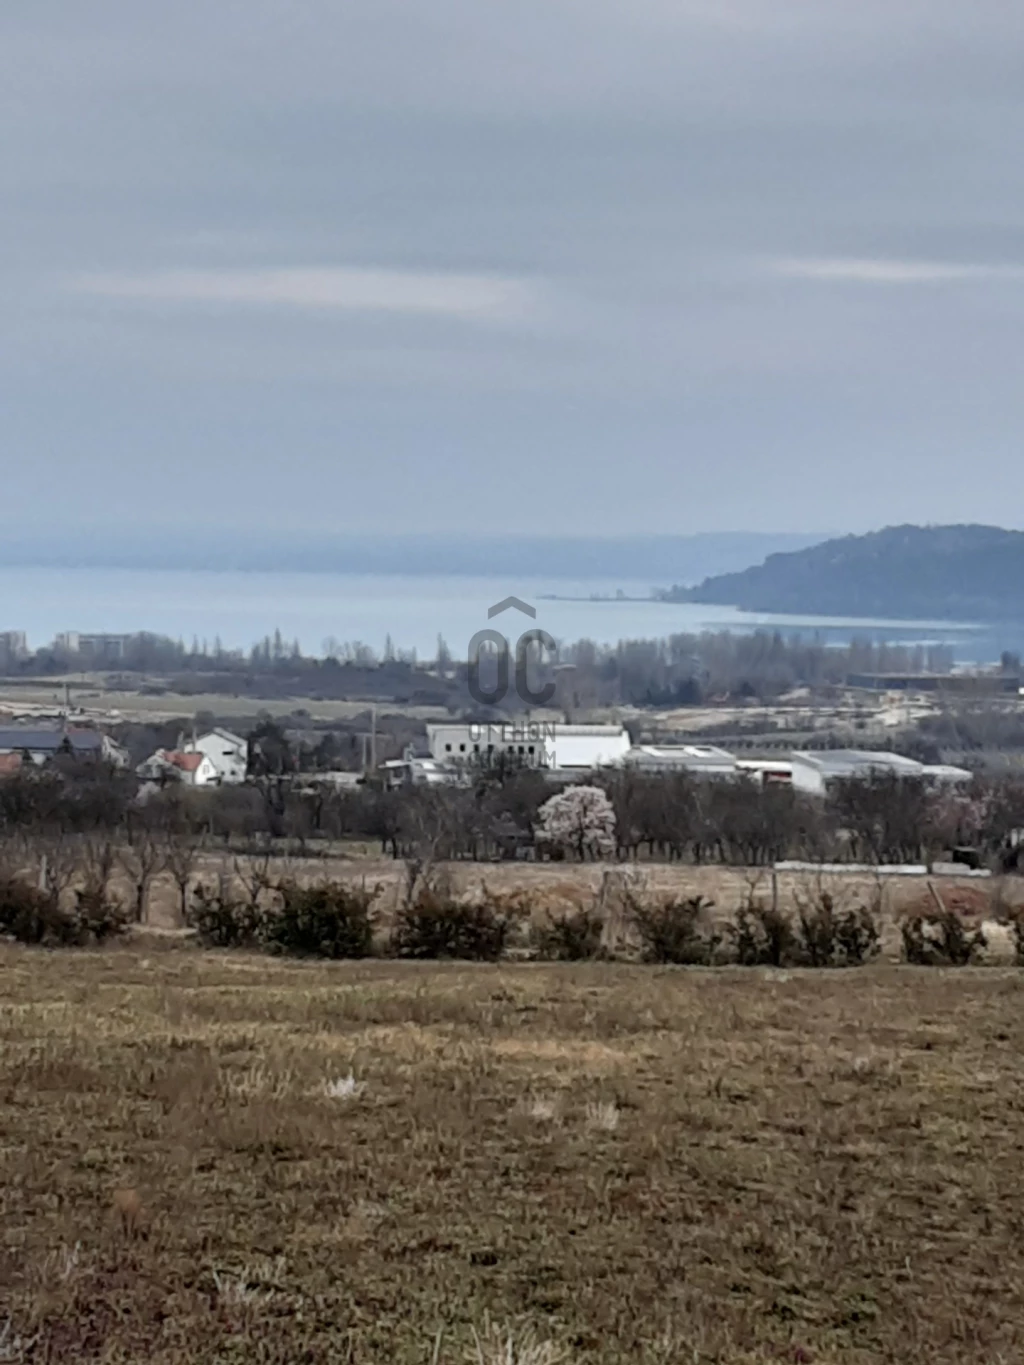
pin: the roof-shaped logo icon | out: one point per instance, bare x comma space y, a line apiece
509, 602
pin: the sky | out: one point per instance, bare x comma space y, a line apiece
557, 266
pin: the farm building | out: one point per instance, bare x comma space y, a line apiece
814, 771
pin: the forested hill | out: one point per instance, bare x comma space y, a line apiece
939, 572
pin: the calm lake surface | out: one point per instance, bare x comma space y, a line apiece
241, 608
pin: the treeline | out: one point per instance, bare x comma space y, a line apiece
679, 670
622, 817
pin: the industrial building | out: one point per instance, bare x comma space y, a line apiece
813, 771
704, 760
707, 760
533, 744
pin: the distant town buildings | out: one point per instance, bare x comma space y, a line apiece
99, 649
13, 644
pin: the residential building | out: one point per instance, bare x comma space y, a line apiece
172, 765
41, 744
533, 744
228, 752
93, 648
13, 644
814, 771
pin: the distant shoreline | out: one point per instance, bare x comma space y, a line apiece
595, 597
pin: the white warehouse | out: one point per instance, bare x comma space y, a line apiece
534, 744
813, 771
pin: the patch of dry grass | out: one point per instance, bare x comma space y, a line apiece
593, 1163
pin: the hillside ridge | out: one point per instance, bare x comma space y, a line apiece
961, 572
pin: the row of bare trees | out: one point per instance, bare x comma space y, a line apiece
98, 824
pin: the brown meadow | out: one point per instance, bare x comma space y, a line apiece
212, 1157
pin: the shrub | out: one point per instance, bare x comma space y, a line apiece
97, 917
29, 914
836, 939
1015, 917
33, 916
764, 937
571, 937
329, 920
434, 925
676, 931
940, 940
221, 922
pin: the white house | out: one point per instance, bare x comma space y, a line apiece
533, 744
228, 753
191, 769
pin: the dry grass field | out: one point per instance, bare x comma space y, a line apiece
594, 1163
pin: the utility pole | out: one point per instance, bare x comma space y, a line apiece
373, 738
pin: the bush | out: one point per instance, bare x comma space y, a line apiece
676, 931
832, 939
221, 922
940, 940
764, 938
571, 937
1016, 920
32, 916
97, 917
433, 925
329, 920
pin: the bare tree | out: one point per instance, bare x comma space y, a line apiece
58, 864
142, 859
99, 858
180, 856
254, 874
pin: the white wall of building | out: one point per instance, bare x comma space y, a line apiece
206, 775
228, 753
812, 772
534, 743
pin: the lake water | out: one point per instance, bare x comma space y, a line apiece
241, 608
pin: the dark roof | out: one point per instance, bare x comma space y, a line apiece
14, 738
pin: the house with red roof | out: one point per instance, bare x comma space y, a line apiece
174, 765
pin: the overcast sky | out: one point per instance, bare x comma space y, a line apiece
559, 265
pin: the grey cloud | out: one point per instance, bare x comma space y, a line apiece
679, 263
325, 288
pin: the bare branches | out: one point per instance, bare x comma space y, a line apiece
142, 858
